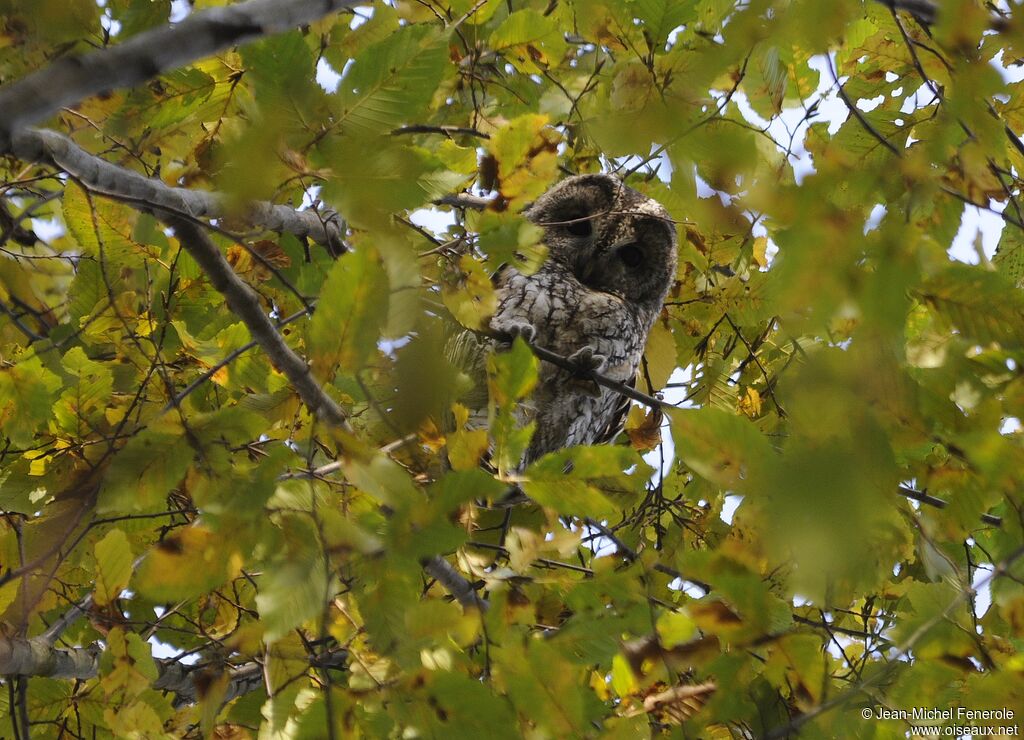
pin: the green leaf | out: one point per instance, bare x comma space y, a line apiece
512, 374
348, 320
1009, 257
526, 152
983, 305
661, 17
390, 81
146, 469
86, 393
103, 228
27, 393
587, 481
113, 566
723, 447
295, 587
190, 562
469, 295
529, 40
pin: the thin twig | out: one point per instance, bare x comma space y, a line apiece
856, 112
174, 402
901, 650
243, 301
446, 130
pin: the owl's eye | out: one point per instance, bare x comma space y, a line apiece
579, 225
631, 255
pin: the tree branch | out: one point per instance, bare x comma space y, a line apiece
621, 388
34, 657
244, 302
73, 78
105, 178
448, 131
466, 200
925, 498
453, 581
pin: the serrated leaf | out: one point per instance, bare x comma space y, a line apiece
86, 393
27, 391
527, 154
659, 357
1009, 257
390, 81
469, 294
512, 374
718, 445
348, 320
295, 588
529, 40
189, 562
113, 566
982, 305
145, 470
103, 228
586, 481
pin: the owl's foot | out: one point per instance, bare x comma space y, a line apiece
586, 361
509, 330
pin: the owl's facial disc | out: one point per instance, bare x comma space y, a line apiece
630, 255
610, 237
580, 226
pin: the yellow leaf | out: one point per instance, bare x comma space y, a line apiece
113, 566
750, 403
527, 154
644, 428
469, 294
659, 356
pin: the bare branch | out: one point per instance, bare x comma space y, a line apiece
104, 178
244, 302
34, 657
466, 200
454, 583
73, 78
448, 131
621, 388
924, 11
856, 113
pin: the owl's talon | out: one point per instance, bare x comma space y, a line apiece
512, 329
587, 360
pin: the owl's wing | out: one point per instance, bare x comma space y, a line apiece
467, 351
617, 418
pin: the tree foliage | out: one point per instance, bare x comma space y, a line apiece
242, 491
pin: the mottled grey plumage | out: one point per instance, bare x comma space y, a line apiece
611, 260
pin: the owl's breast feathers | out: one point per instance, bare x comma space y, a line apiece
568, 316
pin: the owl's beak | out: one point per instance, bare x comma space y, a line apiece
588, 262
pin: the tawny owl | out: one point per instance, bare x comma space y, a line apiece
611, 260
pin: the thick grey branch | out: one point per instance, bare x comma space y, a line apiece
73, 78
104, 178
465, 200
460, 588
35, 657
244, 302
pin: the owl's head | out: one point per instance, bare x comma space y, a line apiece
610, 237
